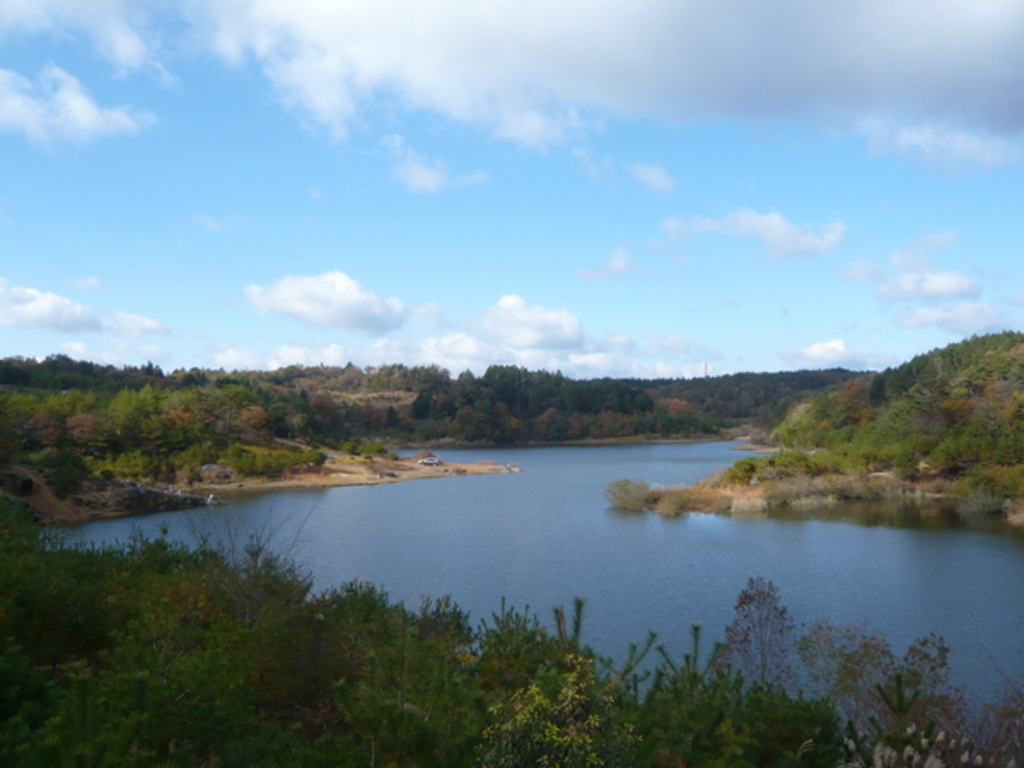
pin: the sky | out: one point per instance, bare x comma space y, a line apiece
651, 188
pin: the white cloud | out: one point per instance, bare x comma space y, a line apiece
231, 358
961, 319
1017, 300
596, 364
116, 26
58, 109
652, 177
456, 352
331, 300
939, 146
325, 354
76, 350
524, 67
133, 325
527, 68
916, 279
511, 332
31, 308
833, 354
780, 237
620, 262
927, 285
419, 174
522, 326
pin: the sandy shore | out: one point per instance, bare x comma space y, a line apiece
125, 498
342, 470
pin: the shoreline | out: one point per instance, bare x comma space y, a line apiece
125, 498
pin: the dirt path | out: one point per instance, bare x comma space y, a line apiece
44, 502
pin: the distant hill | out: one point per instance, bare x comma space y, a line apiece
507, 404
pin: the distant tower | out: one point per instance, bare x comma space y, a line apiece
706, 374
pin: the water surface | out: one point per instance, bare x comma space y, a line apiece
544, 535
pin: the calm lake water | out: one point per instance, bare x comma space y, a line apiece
542, 536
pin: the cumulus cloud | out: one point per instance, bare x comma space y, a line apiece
962, 319
833, 354
420, 174
330, 300
780, 237
133, 325
512, 331
915, 278
529, 70
76, 350
620, 262
32, 308
457, 351
652, 177
231, 358
322, 354
927, 285
116, 27
58, 109
522, 326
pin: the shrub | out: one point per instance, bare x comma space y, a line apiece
1002, 482
742, 472
627, 494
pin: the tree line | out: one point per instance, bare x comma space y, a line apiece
76, 417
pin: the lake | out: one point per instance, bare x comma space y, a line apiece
544, 535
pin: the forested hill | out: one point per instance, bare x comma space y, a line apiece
395, 402
956, 411
760, 398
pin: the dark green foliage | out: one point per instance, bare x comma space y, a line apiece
23, 686
700, 713
154, 654
955, 413
142, 423
566, 718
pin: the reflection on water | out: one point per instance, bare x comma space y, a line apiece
929, 515
545, 535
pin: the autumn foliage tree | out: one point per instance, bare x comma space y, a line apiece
759, 643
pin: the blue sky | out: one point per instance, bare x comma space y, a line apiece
652, 188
